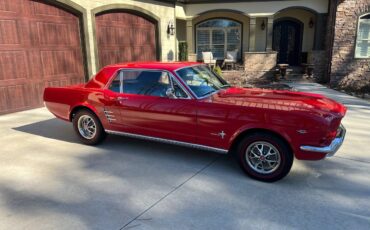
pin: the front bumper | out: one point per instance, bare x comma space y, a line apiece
332, 148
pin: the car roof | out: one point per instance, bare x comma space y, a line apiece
170, 66
104, 75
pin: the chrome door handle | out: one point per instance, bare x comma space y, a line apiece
122, 98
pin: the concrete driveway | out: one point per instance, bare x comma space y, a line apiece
48, 180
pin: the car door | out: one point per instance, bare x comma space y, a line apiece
145, 108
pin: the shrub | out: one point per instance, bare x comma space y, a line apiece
183, 51
218, 70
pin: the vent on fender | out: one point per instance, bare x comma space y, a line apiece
109, 115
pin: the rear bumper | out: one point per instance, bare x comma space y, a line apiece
332, 148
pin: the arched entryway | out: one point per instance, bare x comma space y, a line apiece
125, 36
287, 41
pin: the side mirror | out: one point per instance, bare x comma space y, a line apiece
170, 93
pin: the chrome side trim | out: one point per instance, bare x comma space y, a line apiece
332, 148
168, 141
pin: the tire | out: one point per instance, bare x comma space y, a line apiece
275, 162
93, 132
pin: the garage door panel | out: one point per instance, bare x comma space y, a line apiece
15, 97
10, 7
3, 101
59, 34
110, 56
113, 36
13, 65
60, 62
41, 9
11, 35
125, 37
41, 43
34, 65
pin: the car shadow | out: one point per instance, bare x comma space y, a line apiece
128, 175
52, 128
62, 131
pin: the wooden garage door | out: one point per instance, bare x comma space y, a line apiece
40, 45
125, 37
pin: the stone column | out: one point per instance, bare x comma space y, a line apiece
252, 34
269, 33
320, 31
190, 36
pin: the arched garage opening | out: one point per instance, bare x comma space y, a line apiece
125, 35
40, 45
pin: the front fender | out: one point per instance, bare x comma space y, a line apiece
278, 130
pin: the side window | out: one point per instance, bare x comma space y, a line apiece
153, 83
115, 86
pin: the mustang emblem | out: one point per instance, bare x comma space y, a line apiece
302, 131
222, 134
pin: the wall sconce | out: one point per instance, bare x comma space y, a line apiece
311, 23
263, 25
171, 28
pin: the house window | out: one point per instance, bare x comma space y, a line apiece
218, 36
363, 37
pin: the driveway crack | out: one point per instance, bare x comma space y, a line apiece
170, 192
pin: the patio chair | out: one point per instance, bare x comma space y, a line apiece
208, 59
231, 59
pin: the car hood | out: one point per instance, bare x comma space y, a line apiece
277, 100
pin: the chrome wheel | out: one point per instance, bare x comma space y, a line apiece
263, 157
87, 127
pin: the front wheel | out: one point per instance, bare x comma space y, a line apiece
88, 127
264, 157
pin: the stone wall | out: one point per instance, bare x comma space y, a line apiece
319, 59
260, 64
347, 72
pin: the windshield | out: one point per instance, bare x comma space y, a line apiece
201, 80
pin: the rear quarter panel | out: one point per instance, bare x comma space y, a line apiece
60, 101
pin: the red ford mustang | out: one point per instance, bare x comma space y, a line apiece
187, 104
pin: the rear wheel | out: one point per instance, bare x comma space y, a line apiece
88, 127
264, 157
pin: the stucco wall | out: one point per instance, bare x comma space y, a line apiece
242, 11
180, 30
257, 7
261, 35
164, 12
348, 72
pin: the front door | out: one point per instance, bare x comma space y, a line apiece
287, 41
145, 109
